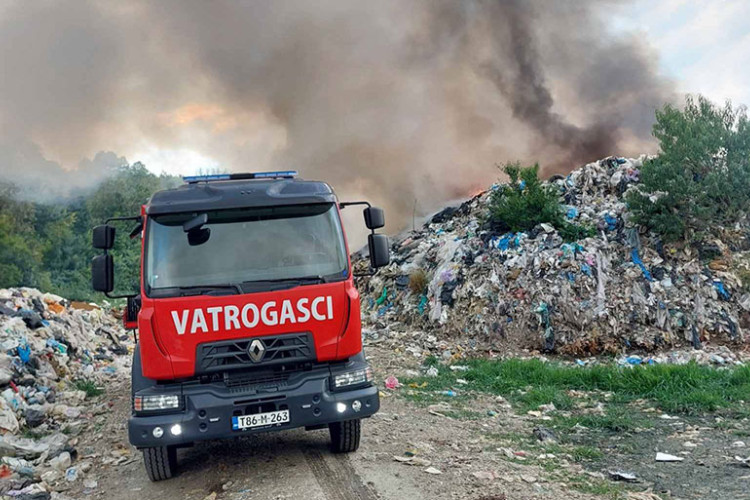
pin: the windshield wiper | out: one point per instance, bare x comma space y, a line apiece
285, 283
301, 280
199, 289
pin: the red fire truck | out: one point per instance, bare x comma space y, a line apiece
248, 319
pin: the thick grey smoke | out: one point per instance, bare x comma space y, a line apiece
397, 101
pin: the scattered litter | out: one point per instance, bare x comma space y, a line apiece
544, 434
666, 457
432, 470
392, 383
622, 476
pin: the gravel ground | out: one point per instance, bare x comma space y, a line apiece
476, 458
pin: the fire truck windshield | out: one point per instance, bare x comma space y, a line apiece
255, 246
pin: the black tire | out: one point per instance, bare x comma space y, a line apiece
345, 436
160, 462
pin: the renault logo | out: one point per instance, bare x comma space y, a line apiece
256, 350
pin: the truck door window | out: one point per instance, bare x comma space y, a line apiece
272, 243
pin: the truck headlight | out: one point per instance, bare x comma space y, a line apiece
157, 402
354, 377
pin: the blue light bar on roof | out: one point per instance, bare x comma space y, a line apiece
285, 174
281, 174
206, 178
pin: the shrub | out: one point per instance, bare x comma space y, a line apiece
526, 202
89, 387
701, 177
418, 281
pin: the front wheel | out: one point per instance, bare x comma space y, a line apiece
160, 462
345, 436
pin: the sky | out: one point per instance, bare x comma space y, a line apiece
703, 44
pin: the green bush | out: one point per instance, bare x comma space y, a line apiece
526, 202
701, 178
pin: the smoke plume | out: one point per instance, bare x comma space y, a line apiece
399, 102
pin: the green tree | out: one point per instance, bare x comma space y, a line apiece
701, 177
48, 246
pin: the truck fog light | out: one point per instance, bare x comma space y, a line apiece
356, 405
176, 430
340, 407
157, 432
354, 377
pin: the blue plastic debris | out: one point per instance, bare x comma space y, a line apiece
549, 333
522, 185
611, 222
451, 394
571, 249
57, 346
634, 360
24, 352
621, 160
422, 304
586, 269
571, 276
637, 261
504, 242
721, 289
572, 212
384, 309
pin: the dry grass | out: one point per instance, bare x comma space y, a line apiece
418, 281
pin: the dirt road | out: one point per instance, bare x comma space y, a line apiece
402, 448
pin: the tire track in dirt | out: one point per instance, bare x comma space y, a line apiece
340, 482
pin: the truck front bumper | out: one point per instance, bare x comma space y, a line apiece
209, 408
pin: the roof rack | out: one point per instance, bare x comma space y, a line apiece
281, 174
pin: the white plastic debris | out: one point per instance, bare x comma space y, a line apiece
666, 457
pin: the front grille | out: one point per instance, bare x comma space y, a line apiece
232, 354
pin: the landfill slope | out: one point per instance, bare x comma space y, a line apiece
51, 348
621, 290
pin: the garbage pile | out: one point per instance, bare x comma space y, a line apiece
621, 290
53, 355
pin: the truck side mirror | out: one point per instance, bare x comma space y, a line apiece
102, 273
380, 254
374, 217
104, 237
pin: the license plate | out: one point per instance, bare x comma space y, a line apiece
260, 420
